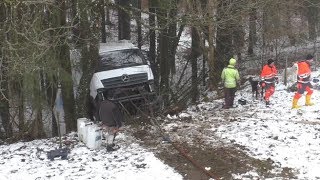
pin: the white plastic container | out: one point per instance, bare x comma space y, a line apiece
94, 136
85, 131
82, 124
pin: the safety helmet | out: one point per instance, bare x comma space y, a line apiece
232, 61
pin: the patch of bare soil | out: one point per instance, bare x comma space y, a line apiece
220, 161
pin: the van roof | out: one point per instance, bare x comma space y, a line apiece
114, 46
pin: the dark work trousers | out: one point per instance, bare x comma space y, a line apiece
229, 94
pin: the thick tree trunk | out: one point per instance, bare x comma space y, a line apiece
123, 20
152, 39
223, 42
89, 56
211, 51
163, 55
66, 77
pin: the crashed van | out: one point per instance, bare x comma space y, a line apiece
123, 76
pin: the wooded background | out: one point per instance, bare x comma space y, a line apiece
37, 36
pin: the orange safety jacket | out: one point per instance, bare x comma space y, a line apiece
304, 72
269, 73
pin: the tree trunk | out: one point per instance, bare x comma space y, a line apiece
223, 41
89, 56
211, 53
123, 20
18, 82
103, 21
238, 39
75, 22
252, 30
312, 14
163, 55
138, 21
37, 129
152, 39
66, 75
195, 52
172, 34
4, 99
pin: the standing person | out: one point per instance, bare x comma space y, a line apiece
269, 77
230, 78
112, 120
303, 82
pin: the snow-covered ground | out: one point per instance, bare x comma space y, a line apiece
288, 137
28, 161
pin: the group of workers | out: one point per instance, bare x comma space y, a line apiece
268, 76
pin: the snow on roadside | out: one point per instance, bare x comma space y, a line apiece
24, 161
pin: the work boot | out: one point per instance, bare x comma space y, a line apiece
267, 103
295, 104
112, 147
308, 101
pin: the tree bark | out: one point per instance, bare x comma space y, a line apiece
195, 53
4, 99
223, 42
163, 54
172, 34
103, 21
252, 30
66, 74
137, 4
123, 20
312, 16
211, 51
75, 22
89, 56
152, 39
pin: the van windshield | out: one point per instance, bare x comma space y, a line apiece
119, 59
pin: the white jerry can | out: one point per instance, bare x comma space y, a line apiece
94, 136
82, 125
85, 131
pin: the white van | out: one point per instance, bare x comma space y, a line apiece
123, 74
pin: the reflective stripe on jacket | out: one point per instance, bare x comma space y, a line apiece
304, 72
269, 73
230, 76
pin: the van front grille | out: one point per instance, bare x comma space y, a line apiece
125, 80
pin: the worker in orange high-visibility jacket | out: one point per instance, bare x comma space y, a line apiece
303, 82
269, 78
